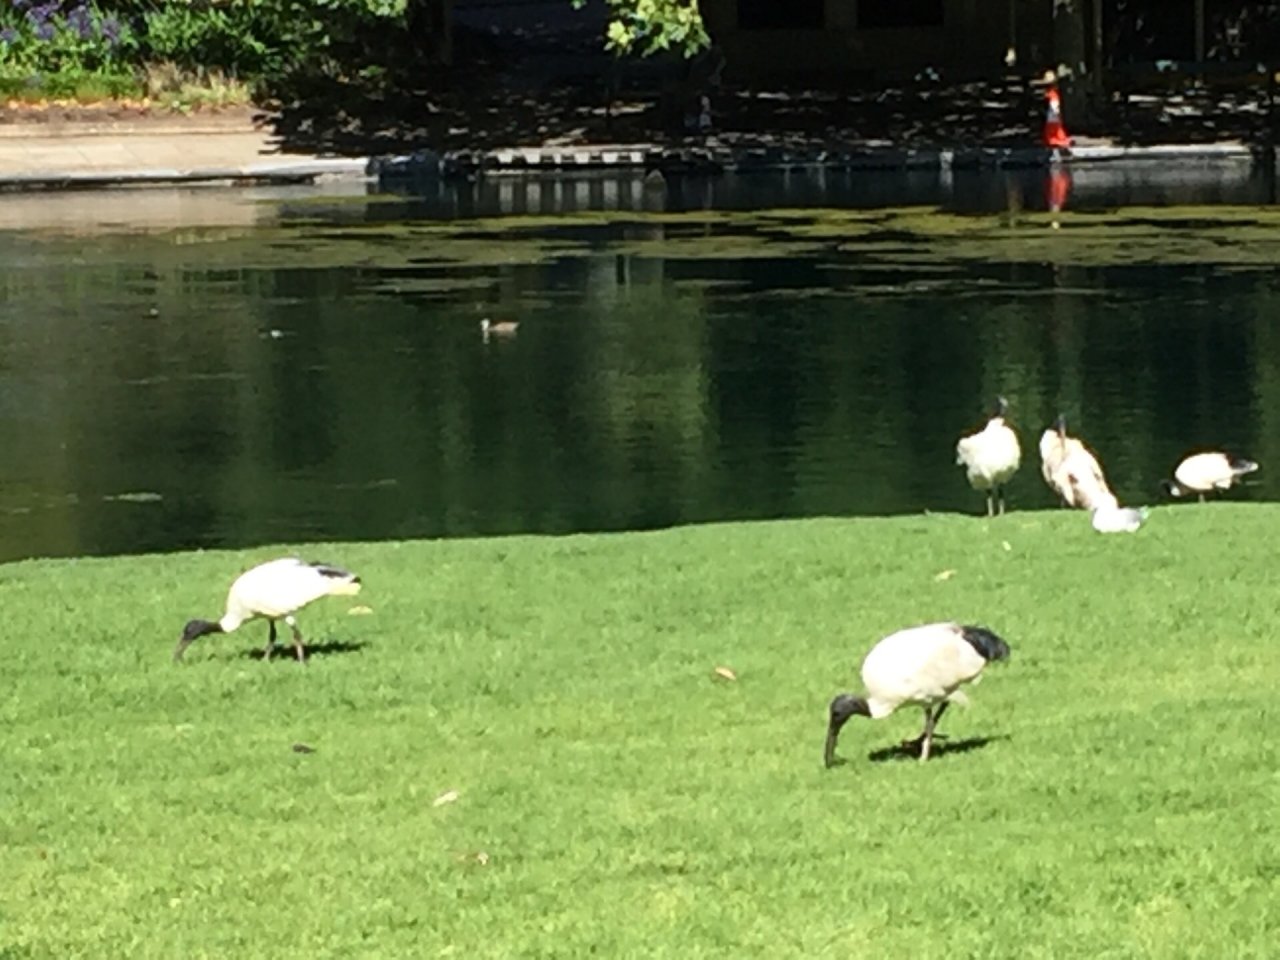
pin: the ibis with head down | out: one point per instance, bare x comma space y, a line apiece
924, 666
991, 456
273, 591
1203, 473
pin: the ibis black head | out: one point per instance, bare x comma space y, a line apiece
1001, 408
1060, 424
193, 631
843, 707
1171, 488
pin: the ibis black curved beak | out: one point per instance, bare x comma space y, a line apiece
842, 708
192, 632
829, 754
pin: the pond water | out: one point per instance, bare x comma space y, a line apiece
223, 368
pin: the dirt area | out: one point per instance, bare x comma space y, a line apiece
55, 114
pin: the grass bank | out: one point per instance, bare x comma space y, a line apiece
1111, 793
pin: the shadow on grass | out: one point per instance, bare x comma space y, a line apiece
284, 650
941, 748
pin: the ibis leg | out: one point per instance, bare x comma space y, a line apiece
271, 641
1000, 494
991, 506
921, 743
298, 648
930, 721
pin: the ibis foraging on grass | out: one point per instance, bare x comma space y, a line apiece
273, 591
1203, 473
925, 666
991, 456
1072, 471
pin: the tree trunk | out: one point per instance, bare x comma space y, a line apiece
1079, 84
430, 26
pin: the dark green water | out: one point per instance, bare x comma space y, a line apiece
317, 371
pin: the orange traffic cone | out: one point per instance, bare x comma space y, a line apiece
1055, 132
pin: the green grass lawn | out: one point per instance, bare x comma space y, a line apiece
1112, 792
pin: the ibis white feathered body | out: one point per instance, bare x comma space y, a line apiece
1118, 519
925, 666
1072, 471
273, 591
991, 457
1203, 473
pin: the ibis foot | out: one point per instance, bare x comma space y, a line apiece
916, 747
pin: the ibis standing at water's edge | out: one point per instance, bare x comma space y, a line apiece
1203, 473
991, 456
273, 591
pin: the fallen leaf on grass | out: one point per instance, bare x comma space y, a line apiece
944, 575
726, 673
360, 610
1005, 544
303, 748
447, 797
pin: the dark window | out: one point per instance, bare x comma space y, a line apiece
873, 14
780, 14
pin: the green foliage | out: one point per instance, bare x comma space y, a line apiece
54, 45
1110, 793
64, 47
259, 39
651, 26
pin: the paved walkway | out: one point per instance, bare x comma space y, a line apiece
38, 155
44, 156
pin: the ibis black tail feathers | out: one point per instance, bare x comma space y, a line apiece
988, 645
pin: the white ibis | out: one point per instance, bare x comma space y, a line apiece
1072, 471
500, 328
991, 456
273, 591
1203, 473
925, 666
1117, 519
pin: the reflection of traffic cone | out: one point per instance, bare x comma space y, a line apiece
1055, 133
1057, 188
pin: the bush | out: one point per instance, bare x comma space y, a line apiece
60, 47
52, 44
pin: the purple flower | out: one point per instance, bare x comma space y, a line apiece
41, 14
81, 22
8, 35
111, 30
45, 31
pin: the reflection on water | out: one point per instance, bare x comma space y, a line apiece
320, 373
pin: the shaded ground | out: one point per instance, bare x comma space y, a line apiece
524, 87
998, 113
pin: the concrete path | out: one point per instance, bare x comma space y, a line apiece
50, 156
41, 155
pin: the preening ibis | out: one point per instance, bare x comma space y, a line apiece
1203, 473
273, 591
925, 666
1072, 471
991, 456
